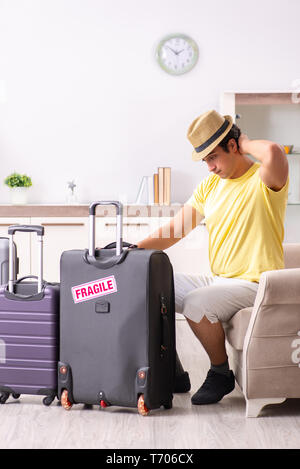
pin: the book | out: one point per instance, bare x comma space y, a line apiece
161, 186
155, 182
167, 186
155, 189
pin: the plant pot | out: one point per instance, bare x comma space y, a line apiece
18, 195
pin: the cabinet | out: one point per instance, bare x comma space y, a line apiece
134, 229
64, 233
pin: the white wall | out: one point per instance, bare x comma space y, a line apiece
83, 97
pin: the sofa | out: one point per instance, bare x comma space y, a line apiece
263, 342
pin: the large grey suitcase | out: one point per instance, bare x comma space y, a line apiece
117, 325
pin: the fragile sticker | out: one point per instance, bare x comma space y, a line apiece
94, 289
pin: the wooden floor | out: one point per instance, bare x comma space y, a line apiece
27, 423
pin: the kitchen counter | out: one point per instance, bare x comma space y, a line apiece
83, 210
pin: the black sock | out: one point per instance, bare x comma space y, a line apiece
223, 368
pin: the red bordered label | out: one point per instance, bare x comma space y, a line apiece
90, 290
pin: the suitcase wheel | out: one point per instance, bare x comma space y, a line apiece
3, 397
48, 400
66, 404
142, 408
15, 395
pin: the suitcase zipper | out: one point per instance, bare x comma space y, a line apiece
165, 335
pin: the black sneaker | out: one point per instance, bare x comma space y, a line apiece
182, 383
215, 387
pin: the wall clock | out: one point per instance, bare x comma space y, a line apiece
177, 54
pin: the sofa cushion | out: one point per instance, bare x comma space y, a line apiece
235, 329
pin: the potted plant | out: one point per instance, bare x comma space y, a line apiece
18, 185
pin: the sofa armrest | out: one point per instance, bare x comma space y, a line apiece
276, 309
278, 287
269, 369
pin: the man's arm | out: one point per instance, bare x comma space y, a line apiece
274, 164
177, 228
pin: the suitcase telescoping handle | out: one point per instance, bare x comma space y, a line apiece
39, 230
92, 214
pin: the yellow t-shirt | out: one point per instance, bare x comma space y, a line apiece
245, 222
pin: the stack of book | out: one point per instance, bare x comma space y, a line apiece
158, 187
161, 182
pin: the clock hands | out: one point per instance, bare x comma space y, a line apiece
175, 51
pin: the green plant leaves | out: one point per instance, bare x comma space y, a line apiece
18, 180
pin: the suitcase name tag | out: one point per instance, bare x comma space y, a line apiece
90, 290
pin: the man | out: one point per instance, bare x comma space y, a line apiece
244, 207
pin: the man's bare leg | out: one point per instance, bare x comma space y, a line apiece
219, 380
212, 337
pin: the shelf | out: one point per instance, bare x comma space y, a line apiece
264, 97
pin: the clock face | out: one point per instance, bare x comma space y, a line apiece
177, 54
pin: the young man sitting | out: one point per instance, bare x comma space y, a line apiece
244, 205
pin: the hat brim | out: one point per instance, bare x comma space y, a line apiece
199, 156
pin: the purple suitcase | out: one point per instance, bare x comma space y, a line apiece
29, 314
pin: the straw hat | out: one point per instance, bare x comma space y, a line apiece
207, 131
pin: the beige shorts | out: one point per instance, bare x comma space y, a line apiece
217, 298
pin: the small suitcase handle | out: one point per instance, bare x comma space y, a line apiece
124, 244
118, 205
92, 214
27, 228
15, 296
39, 230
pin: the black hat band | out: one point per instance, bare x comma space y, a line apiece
213, 137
